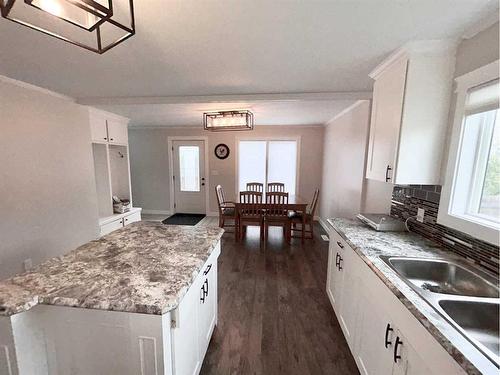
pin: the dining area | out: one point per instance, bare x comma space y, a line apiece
268, 205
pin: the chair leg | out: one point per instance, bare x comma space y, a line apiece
311, 224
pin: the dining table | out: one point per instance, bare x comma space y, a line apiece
295, 203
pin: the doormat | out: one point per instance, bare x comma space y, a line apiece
183, 219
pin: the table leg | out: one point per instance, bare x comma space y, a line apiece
237, 228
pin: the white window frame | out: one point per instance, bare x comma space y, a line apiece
297, 139
473, 225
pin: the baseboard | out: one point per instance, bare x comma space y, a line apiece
327, 227
156, 212
213, 213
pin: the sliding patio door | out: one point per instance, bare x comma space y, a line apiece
267, 161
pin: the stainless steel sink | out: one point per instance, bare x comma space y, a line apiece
479, 321
466, 297
439, 276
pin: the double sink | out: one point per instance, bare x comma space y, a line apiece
467, 298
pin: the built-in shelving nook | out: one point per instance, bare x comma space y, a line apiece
112, 168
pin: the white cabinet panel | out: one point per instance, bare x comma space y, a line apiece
117, 132
207, 305
132, 218
110, 227
98, 130
387, 110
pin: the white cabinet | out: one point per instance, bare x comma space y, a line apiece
195, 320
117, 221
410, 108
380, 331
108, 128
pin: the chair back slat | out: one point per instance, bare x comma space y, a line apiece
276, 204
255, 186
275, 186
253, 210
220, 195
311, 209
250, 197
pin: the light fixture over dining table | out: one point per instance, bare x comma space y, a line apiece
228, 120
96, 25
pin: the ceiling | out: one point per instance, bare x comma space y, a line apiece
236, 47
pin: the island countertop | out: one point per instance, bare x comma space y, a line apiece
370, 245
145, 267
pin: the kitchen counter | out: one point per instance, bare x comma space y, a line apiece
370, 245
145, 267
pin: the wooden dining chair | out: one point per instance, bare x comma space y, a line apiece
296, 218
277, 214
226, 208
250, 197
255, 186
275, 186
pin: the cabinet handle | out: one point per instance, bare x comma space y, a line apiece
340, 260
387, 178
207, 270
337, 260
206, 291
111, 139
202, 290
105, 138
340, 244
387, 330
396, 355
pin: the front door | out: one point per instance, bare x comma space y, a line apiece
189, 177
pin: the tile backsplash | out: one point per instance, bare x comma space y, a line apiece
405, 201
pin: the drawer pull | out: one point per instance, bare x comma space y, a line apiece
396, 355
204, 291
387, 178
337, 260
207, 270
340, 265
387, 330
340, 244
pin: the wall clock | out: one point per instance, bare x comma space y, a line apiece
221, 151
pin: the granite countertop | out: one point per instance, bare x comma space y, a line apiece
370, 245
145, 267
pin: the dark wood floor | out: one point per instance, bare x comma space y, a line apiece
274, 314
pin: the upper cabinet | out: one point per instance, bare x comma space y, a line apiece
409, 121
108, 128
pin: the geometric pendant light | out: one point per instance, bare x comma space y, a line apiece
96, 25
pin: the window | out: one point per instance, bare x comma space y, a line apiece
470, 200
189, 168
268, 161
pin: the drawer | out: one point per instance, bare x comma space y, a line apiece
136, 216
110, 227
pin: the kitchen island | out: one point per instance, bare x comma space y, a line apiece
141, 300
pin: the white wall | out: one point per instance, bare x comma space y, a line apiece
149, 161
345, 191
47, 189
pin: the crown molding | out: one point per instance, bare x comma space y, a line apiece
344, 111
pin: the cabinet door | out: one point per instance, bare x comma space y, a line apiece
349, 296
110, 227
336, 275
98, 131
185, 345
207, 306
373, 356
387, 109
117, 132
132, 218
410, 362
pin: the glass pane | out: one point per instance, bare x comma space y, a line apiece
490, 197
189, 168
252, 163
282, 165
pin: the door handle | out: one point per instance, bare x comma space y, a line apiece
387, 178
396, 355
387, 330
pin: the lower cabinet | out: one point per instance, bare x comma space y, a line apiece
194, 320
381, 332
108, 225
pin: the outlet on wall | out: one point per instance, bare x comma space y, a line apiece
28, 264
420, 215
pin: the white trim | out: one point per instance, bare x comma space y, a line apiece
204, 139
334, 95
237, 140
422, 47
156, 212
199, 127
108, 115
482, 25
327, 227
475, 229
213, 214
39, 89
344, 111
